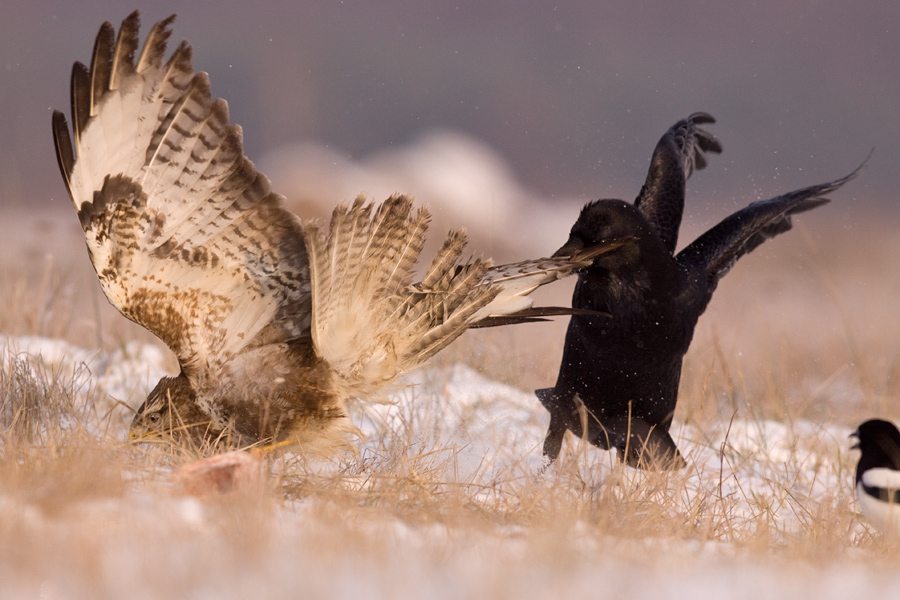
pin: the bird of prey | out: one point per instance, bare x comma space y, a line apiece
618, 380
878, 475
275, 322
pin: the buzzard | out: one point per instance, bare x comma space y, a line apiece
618, 379
275, 322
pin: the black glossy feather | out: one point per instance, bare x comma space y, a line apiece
717, 250
681, 151
618, 379
878, 475
879, 446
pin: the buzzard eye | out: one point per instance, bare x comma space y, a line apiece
153, 418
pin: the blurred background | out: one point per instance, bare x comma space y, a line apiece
495, 111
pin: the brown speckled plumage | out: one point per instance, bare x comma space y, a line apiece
275, 323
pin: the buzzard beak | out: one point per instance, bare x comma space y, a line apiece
136, 436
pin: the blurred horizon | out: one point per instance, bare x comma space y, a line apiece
568, 102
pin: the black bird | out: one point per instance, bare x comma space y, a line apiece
878, 474
619, 375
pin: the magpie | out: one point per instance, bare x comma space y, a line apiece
878, 474
618, 379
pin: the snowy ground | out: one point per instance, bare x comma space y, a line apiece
743, 521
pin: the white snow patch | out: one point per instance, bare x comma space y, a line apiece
124, 376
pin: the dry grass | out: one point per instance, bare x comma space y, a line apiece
797, 348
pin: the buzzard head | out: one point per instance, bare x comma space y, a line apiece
170, 409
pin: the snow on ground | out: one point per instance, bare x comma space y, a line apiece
488, 434
115, 379
496, 434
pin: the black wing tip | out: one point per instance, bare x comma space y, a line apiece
164, 23
106, 44
104, 41
106, 29
62, 141
183, 56
162, 29
134, 18
814, 196
862, 166
688, 128
88, 83
826, 188
100, 73
706, 141
837, 183
60, 128
709, 143
701, 118
80, 96
155, 44
126, 46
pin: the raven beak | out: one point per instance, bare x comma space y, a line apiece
572, 247
854, 436
575, 248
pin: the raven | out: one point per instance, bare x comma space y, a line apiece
619, 376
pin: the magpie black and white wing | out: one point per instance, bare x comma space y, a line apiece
185, 235
716, 251
680, 151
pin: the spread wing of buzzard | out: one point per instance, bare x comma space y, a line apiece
275, 323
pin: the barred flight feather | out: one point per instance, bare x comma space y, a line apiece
275, 323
